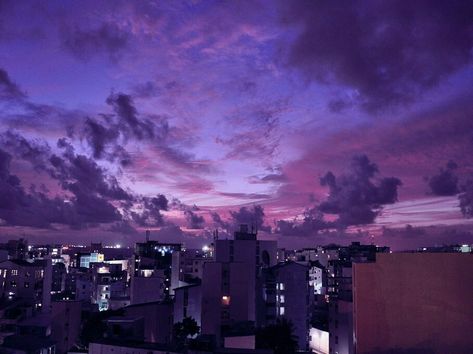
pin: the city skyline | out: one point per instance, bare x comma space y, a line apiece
186, 117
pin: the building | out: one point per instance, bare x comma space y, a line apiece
127, 347
65, 324
155, 271
85, 259
29, 281
339, 291
109, 283
188, 303
27, 344
192, 263
232, 285
414, 303
288, 294
158, 320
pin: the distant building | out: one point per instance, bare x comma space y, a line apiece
85, 259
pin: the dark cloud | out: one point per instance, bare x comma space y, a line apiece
407, 232
108, 135
141, 129
9, 91
386, 52
21, 208
194, 221
107, 39
146, 90
31, 151
252, 216
150, 214
270, 178
218, 221
466, 199
82, 175
357, 197
91, 195
98, 136
123, 227
445, 182
246, 195
311, 223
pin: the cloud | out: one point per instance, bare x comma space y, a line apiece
218, 221
356, 197
445, 182
9, 91
91, 196
150, 213
36, 209
312, 222
386, 53
466, 199
253, 216
130, 124
194, 221
106, 39
250, 196
269, 178
255, 131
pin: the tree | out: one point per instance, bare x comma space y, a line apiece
183, 330
278, 337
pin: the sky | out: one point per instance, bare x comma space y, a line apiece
314, 121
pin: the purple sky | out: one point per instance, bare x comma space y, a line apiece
185, 116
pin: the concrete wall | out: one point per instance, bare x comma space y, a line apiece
414, 303
318, 341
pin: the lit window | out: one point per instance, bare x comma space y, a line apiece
281, 299
281, 286
225, 300
281, 311
14, 272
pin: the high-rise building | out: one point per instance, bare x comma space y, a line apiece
232, 285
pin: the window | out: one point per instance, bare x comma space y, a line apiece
281, 311
14, 272
281, 299
225, 300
